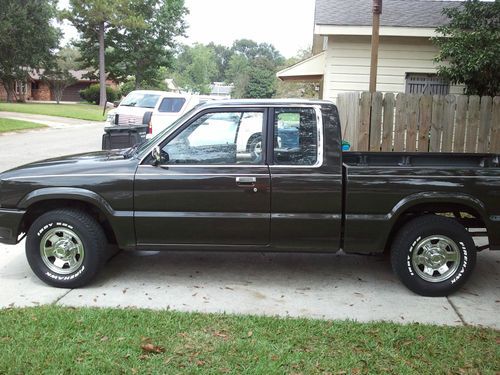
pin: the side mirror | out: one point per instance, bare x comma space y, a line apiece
146, 118
116, 103
159, 156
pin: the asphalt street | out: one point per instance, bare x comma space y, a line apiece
324, 286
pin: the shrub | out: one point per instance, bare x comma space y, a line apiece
91, 94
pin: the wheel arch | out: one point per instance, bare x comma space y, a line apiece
47, 199
426, 203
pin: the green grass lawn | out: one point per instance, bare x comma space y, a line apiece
57, 340
78, 111
9, 125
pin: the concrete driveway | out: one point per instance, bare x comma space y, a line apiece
331, 286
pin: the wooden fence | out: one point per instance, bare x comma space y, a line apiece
409, 122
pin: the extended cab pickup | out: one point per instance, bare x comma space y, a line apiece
192, 187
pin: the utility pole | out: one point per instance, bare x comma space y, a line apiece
377, 10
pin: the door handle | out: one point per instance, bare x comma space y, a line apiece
246, 181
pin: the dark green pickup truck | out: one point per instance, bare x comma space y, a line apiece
255, 176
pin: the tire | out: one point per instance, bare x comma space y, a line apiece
433, 255
66, 248
254, 147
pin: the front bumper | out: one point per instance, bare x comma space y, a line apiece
10, 221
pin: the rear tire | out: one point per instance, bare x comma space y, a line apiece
66, 248
254, 147
433, 255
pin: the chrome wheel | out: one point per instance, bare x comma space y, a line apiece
436, 258
257, 149
62, 250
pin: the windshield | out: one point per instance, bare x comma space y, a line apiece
138, 99
136, 150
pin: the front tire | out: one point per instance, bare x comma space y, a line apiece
433, 255
66, 248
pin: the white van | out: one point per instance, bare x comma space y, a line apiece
166, 107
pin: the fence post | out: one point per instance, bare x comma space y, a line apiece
472, 124
448, 123
495, 126
411, 132
484, 124
376, 121
388, 121
460, 124
425, 120
400, 126
436, 123
364, 122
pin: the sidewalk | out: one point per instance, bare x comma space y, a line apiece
52, 121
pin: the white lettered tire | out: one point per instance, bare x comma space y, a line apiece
433, 255
66, 248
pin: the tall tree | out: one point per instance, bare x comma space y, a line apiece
223, 55
196, 68
470, 47
92, 18
141, 51
261, 79
252, 69
27, 39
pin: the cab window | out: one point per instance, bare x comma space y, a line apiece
219, 138
172, 105
296, 138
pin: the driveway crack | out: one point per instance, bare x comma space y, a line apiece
61, 297
456, 311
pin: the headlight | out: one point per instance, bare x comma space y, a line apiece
110, 119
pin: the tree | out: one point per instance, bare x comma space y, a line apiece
470, 47
58, 73
237, 73
196, 68
261, 79
92, 18
141, 51
222, 55
252, 68
27, 40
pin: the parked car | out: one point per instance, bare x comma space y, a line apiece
143, 114
193, 187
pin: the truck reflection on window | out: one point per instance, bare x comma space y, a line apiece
219, 138
295, 136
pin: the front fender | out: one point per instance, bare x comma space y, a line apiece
55, 193
121, 222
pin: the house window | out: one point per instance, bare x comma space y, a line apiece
21, 88
34, 85
427, 84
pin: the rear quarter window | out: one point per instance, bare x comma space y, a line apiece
172, 105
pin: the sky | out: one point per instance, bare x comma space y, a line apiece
287, 24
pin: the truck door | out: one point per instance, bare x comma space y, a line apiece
306, 179
212, 191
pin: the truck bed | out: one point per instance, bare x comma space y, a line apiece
405, 159
381, 186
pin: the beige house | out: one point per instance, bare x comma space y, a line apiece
342, 45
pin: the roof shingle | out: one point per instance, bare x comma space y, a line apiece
403, 13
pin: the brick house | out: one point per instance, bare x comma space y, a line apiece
37, 89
